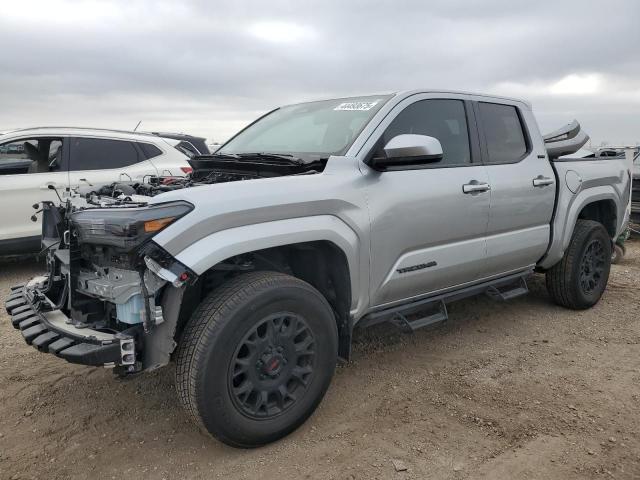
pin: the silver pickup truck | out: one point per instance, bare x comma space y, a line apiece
315, 219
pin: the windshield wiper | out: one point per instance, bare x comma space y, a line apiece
225, 156
280, 157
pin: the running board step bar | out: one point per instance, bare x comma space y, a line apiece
429, 311
507, 292
409, 318
410, 321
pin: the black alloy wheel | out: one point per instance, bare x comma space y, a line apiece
256, 358
579, 279
272, 366
592, 266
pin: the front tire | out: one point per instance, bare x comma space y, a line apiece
256, 358
579, 279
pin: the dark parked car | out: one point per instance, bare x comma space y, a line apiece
187, 144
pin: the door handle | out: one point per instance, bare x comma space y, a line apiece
475, 186
541, 181
48, 185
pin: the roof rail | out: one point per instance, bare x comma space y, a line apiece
128, 132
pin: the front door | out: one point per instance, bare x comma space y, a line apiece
28, 167
428, 224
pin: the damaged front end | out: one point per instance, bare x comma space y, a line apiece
111, 296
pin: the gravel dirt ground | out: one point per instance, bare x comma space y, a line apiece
516, 390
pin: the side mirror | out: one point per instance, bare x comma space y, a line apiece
408, 151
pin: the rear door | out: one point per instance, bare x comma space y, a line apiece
522, 186
26, 172
428, 222
99, 161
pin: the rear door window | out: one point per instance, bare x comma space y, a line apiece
503, 132
103, 154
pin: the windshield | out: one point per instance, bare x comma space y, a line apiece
321, 128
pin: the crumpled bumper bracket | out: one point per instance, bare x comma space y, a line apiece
83, 346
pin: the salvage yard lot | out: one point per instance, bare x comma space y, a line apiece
523, 389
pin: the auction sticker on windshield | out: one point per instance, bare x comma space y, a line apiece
351, 106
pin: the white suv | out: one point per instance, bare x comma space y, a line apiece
33, 159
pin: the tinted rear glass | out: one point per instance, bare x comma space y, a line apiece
100, 154
149, 150
503, 132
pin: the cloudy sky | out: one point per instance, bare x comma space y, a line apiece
209, 68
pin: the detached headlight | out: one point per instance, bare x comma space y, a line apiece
126, 228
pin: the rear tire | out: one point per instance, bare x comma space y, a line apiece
579, 279
256, 358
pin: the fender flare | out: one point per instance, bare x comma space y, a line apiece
565, 224
216, 247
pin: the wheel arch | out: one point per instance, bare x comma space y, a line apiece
603, 211
598, 203
599, 206
321, 250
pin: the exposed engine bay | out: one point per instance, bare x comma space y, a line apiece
207, 170
103, 300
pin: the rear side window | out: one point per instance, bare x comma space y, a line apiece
503, 132
187, 148
443, 119
102, 154
149, 150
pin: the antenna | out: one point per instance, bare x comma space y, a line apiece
136, 129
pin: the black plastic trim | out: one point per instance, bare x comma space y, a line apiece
83, 350
474, 133
383, 314
18, 246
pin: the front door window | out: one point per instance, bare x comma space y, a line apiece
30, 155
